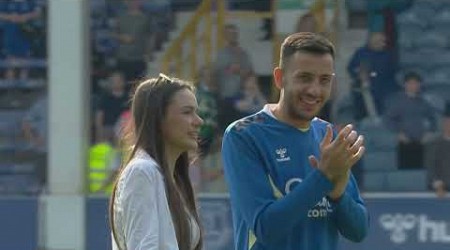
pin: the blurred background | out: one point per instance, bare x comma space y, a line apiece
67, 68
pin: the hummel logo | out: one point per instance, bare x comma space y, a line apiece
282, 155
398, 225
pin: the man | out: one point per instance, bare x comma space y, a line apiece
373, 64
232, 65
136, 39
413, 119
290, 183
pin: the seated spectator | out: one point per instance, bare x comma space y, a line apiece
376, 65
251, 99
438, 158
34, 127
413, 119
112, 103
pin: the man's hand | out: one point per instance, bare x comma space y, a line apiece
339, 156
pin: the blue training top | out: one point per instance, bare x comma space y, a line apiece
278, 199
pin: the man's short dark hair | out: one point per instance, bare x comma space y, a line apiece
305, 42
412, 76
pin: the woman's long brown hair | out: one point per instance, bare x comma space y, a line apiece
149, 107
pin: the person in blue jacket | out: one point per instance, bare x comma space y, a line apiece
288, 173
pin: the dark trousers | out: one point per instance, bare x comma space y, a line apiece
410, 155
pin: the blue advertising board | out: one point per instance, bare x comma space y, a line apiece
19, 223
406, 224
395, 223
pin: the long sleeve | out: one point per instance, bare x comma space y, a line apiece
270, 216
140, 211
354, 64
351, 216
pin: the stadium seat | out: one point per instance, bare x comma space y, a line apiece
374, 182
441, 18
378, 137
440, 90
10, 121
16, 168
440, 75
407, 180
19, 185
356, 5
409, 18
380, 161
431, 39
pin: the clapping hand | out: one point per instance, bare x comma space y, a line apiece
338, 157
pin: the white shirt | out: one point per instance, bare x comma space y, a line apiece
141, 211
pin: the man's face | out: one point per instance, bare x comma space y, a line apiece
377, 41
412, 87
232, 35
307, 80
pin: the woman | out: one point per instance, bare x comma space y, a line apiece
152, 205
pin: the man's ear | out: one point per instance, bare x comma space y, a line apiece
278, 77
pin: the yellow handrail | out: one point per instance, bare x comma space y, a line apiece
188, 36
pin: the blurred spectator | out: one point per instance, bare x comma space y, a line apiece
164, 20
413, 119
207, 110
232, 65
17, 17
112, 103
438, 158
34, 126
306, 23
251, 99
374, 64
136, 42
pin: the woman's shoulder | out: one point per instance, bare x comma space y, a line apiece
142, 165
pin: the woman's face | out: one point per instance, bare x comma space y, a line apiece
181, 124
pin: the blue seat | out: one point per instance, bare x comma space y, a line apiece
19, 185
380, 161
431, 39
375, 182
440, 75
427, 58
356, 5
410, 18
441, 59
424, 12
407, 36
10, 122
441, 18
407, 180
432, 4
378, 136
439, 90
